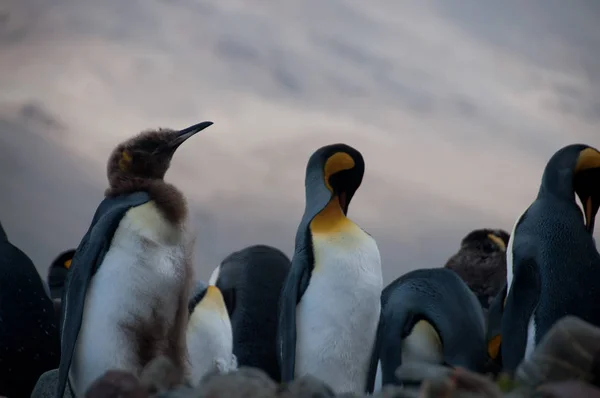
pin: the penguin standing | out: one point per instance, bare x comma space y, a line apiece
330, 302
251, 280
209, 336
430, 315
481, 263
29, 339
553, 266
57, 273
127, 291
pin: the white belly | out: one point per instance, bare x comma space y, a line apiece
142, 271
337, 317
210, 344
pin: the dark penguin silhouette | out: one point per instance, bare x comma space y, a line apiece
481, 263
29, 339
553, 266
330, 302
430, 315
57, 273
250, 281
127, 290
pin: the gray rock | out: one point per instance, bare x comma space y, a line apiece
244, 382
306, 386
47, 384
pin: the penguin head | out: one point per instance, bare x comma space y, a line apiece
148, 155
333, 171
575, 169
208, 300
57, 273
487, 240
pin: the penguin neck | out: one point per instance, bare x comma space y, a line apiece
168, 199
331, 219
557, 182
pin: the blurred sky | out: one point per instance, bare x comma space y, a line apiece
456, 106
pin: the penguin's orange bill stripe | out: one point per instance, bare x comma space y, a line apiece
494, 346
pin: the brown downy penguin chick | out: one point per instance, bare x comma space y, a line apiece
481, 263
127, 289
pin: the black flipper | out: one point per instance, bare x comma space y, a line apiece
294, 287
372, 373
391, 345
87, 259
521, 302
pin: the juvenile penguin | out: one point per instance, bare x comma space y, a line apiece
481, 263
209, 335
127, 291
553, 266
430, 315
330, 301
251, 280
29, 339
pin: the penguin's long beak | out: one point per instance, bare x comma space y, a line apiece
186, 133
591, 209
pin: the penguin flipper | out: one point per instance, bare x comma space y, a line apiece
88, 257
292, 291
372, 373
522, 299
393, 330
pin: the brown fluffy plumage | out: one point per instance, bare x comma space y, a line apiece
481, 263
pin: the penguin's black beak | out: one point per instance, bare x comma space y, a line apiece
590, 206
182, 135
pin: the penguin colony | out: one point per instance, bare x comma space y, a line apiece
126, 294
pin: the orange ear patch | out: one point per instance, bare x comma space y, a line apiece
494, 346
67, 263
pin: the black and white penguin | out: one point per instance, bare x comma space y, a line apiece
29, 339
330, 302
553, 266
209, 336
251, 280
127, 291
481, 263
430, 315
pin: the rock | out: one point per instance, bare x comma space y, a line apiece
569, 351
47, 384
245, 382
116, 384
306, 386
160, 375
568, 389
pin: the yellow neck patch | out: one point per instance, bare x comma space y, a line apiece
499, 242
588, 159
125, 161
330, 220
337, 162
67, 263
494, 346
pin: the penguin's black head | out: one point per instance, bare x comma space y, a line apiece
57, 273
148, 155
333, 171
575, 169
487, 240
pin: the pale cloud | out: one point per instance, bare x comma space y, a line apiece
455, 105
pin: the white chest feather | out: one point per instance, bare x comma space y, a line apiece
422, 345
338, 314
210, 342
139, 280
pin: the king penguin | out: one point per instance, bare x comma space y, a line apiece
481, 263
430, 315
29, 339
251, 280
330, 302
57, 275
553, 266
127, 290
209, 335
